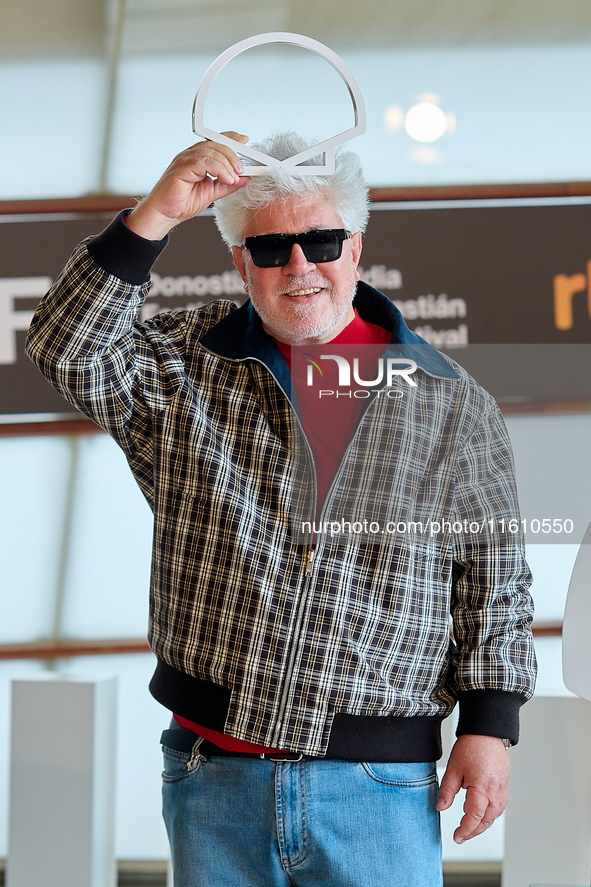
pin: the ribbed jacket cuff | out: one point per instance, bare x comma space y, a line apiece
490, 713
121, 252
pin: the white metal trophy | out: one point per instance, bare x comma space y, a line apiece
576, 649
326, 147
576, 629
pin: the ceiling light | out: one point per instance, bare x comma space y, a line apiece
425, 122
393, 118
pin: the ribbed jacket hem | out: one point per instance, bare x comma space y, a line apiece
490, 713
352, 737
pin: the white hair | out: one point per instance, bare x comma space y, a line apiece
346, 189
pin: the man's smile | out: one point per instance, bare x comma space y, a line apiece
304, 292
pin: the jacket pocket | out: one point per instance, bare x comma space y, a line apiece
180, 765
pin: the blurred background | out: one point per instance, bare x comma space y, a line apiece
97, 94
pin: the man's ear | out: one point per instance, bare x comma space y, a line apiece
238, 258
356, 246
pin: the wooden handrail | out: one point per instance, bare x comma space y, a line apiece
66, 428
547, 629
545, 407
104, 203
92, 203
67, 649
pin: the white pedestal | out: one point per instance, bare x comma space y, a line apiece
62, 783
548, 819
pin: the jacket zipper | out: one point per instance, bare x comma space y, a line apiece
308, 559
309, 566
310, 552
276, 741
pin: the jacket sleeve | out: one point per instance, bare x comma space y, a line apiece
493, 660
87, 342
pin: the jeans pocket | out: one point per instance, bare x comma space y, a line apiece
179, 764
403, 775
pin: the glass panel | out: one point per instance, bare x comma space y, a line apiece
108, 577
553, 481
495, 114
33, 480
54, 112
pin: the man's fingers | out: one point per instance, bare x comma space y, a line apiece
222, 190
210, 159
475, 807
237, 136
228, 153
482, 827
479, 814
196, 177
445, 798
225, 155
207, 158
468, 829
449, 788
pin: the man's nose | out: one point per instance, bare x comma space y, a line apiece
298, 264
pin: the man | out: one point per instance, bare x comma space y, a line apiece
308, 672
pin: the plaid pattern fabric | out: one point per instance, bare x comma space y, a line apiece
218, 451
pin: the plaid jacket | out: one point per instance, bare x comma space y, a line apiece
200, 402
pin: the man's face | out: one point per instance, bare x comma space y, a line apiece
301, 302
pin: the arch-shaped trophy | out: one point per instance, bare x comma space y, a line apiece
263, 161
576, 628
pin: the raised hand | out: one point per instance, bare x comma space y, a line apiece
195, 178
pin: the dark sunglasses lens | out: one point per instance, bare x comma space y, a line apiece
273, 251
269, 252
322, 246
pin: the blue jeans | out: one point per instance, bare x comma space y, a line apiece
247, 822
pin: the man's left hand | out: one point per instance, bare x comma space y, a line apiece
480, 764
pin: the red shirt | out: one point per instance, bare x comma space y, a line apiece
330, 421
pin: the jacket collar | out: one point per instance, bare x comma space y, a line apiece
240, 336
375, 307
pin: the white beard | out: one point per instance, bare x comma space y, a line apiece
299, 322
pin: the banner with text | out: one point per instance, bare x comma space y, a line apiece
462, 276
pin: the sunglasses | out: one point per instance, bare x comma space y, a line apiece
274, 250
